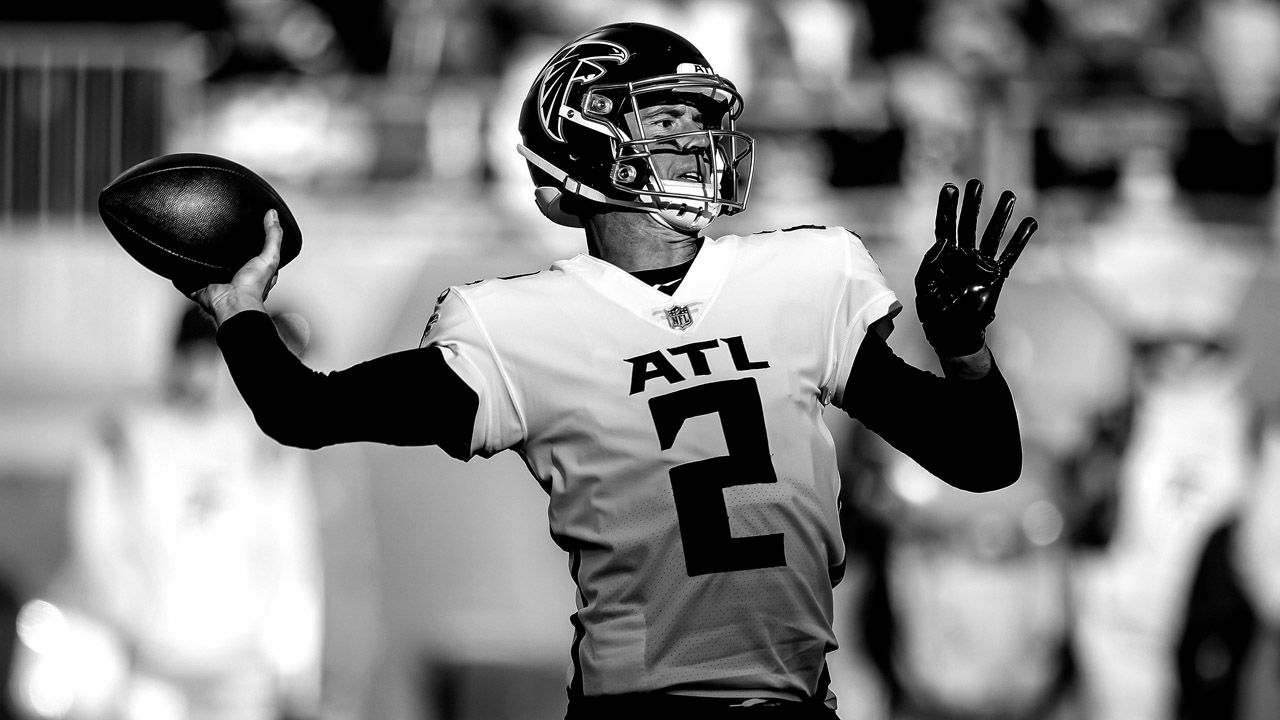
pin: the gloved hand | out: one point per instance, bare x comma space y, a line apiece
957, 285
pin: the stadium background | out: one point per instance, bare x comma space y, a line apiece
1141, 133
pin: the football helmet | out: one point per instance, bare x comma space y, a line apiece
582, 135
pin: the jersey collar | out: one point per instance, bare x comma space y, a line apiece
696, 291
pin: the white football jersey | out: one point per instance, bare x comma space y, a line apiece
691, 476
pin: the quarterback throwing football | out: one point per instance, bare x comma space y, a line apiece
677, 427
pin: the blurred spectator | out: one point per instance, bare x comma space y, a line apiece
193, 587
1171, 462
965, 613
1167, 469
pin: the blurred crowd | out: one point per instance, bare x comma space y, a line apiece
1038, 94
1132, 574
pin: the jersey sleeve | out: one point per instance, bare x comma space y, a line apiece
460, 335
865, 297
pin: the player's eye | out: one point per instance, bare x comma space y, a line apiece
662, 119
673, 118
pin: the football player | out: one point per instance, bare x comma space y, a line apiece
666, 388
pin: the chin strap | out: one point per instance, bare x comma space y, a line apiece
563, 178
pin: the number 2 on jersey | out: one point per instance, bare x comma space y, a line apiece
699, 486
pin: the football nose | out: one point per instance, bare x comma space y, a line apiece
697, 140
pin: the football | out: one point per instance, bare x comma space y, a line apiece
194, 218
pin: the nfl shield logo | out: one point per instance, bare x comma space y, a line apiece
679, 317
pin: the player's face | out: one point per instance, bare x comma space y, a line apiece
683, 157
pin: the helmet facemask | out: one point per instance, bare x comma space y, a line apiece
706, 186
686, 178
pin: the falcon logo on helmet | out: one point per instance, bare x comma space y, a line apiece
576, 63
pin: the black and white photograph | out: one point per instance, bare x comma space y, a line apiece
640, 360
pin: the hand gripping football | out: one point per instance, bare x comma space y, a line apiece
193, 218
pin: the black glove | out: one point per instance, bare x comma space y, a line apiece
957, 285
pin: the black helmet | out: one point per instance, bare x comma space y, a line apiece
581, 137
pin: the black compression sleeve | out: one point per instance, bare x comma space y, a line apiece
963, 431
406, 398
